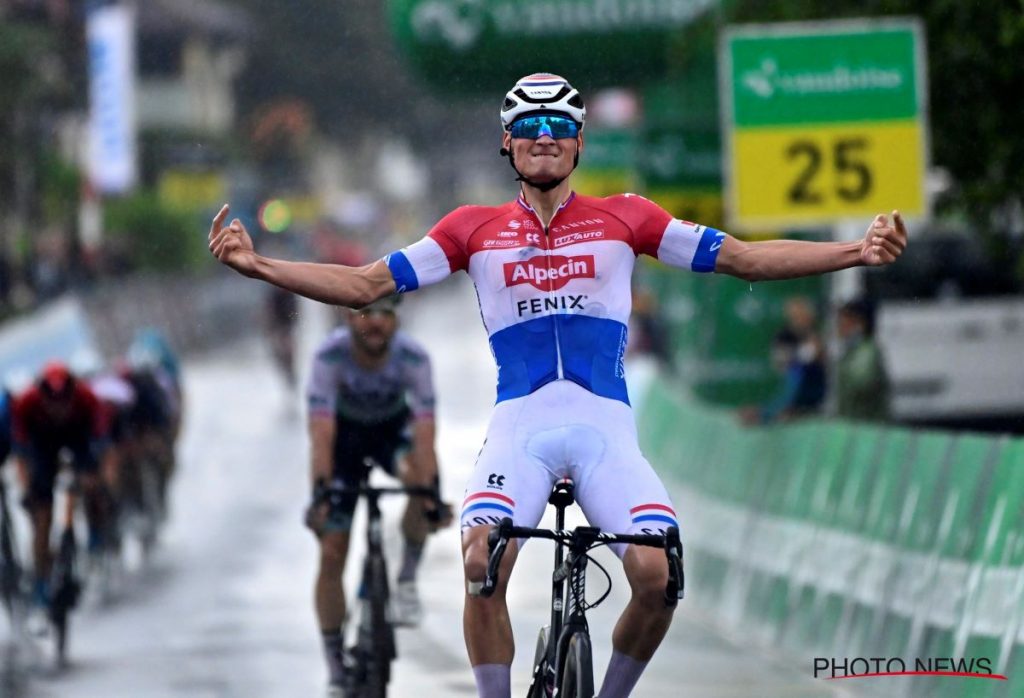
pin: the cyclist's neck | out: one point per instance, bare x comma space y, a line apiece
368, 361
546, 203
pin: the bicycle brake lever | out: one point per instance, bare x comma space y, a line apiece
497, 540
675, 589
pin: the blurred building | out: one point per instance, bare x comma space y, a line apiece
189, 53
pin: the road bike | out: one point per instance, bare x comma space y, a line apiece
563, 662
65, 588
12, 574
368, 661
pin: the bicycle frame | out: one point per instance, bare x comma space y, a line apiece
570, 576
376, 638
568, 601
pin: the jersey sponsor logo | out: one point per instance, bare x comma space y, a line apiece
585, 223
578, 237
508, 234
496, 480
533, 238
500, 243
719, 239
513, 224
549, 273
536, 306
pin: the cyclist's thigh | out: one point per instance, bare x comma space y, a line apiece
622, 493
43, 465
83, 458
507, 480
349, 453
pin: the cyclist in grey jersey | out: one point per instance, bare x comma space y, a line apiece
370, 395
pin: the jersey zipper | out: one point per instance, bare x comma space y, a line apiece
554, 316
559, 368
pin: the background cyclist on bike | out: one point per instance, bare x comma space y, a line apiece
150, 421
552, 272
370, 395
59, 413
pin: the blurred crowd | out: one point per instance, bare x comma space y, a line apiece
853, 385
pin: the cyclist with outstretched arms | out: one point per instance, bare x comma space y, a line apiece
370, 396
552, 272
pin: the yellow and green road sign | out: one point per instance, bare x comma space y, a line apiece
824, 122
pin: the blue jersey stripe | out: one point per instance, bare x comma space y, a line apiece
402, 271
591, 348
487, 505
655, 517
707, 250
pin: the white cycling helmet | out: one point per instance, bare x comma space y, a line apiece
542, 93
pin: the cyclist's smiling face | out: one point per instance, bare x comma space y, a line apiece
372, 330
544, 158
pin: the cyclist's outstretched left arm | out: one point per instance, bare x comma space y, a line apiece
336, 284
766, 260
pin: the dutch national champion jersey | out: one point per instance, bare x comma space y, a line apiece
555, 303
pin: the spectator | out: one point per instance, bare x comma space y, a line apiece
647, 332
798, 353
862, 381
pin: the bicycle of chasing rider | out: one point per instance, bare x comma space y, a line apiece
12, 573
563, 662
368, 661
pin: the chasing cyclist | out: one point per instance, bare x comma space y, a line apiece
552, 271
60, 414
371, 396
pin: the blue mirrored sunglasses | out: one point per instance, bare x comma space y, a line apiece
537, 126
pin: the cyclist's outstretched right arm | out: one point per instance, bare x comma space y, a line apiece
336, 284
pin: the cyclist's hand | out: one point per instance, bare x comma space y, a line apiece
438, 513
231, 244
884, 241
316, 517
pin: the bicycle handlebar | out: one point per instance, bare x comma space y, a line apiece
588, 537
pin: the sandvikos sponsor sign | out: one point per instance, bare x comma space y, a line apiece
498, 40
461, 24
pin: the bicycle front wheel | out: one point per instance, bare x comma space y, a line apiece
578, 670
382, 638
540, 664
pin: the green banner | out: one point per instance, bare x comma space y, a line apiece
472, 45
802, 74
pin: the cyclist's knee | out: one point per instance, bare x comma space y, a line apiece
647, 572
475, 555
333, 552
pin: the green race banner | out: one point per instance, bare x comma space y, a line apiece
473, 45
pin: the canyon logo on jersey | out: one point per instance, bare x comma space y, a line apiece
549, 273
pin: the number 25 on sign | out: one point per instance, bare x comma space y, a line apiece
810, 174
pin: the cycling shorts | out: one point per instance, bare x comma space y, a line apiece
382, 442
44, 464
563, 430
